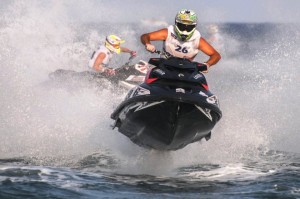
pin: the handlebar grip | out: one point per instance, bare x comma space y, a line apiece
201, 67
157, 52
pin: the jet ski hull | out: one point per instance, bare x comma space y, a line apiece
127, 76
165, 120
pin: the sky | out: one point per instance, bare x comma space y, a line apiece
207, 10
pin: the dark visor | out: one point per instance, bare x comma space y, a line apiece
186, 27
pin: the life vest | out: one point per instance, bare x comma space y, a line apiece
101, 49
182, 49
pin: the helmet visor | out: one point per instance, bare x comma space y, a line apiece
185, 27
116, 46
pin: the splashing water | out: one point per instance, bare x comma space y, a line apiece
257, 94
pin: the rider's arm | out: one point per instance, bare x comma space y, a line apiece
126, 50
159, 35
205, 47
98, 63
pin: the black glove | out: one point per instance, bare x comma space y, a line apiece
202, 67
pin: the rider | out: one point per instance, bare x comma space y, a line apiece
101, 57
182, 39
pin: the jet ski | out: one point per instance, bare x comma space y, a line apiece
172, 108
127, 76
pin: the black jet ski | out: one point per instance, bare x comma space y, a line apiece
171, 109
127, 76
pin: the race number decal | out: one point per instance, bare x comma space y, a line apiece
180, 49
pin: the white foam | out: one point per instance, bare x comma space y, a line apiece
38, 38
228, 172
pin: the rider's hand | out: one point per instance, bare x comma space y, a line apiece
207, 67
109, 71
203, 67
133, 53
150, 47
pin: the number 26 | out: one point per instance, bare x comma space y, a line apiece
180, 49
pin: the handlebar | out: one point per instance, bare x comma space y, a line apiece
201, 67
157, 52
129, 60
163, 53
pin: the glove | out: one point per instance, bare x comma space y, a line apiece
133, 53
203, 67
150, 47
109, 72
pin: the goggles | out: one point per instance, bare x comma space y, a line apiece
185, 27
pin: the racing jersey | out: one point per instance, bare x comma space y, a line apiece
101, 49
182, 49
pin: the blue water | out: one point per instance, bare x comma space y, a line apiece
276, 175
57, 142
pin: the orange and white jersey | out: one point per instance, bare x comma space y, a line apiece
183, 49
101, 49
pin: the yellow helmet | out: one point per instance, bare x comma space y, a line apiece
113, 43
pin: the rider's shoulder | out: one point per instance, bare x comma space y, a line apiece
196, 35
103, 49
